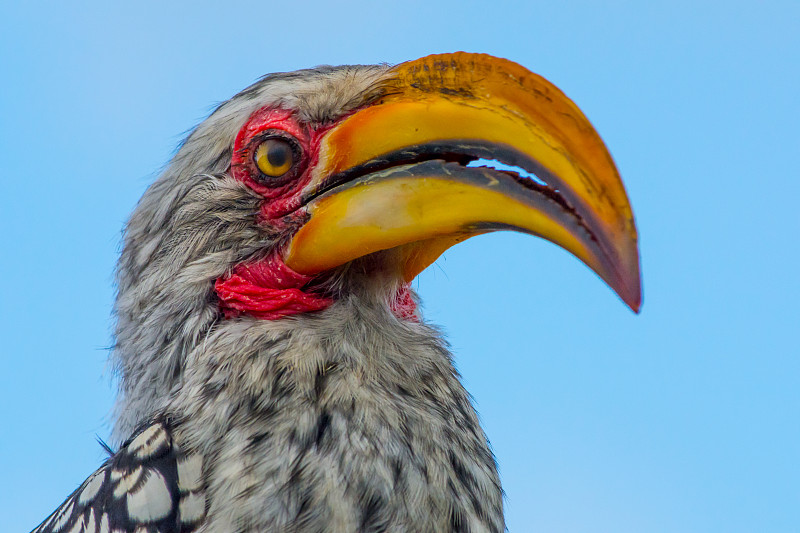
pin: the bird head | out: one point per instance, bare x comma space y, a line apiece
311, 186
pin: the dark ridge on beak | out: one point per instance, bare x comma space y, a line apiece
461, 152
446, 151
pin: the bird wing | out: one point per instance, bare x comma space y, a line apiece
148, 485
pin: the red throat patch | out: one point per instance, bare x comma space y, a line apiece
404, 307
269, 290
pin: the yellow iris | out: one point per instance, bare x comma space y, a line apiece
274, 157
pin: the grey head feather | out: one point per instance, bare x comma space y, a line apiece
195, 223
349, 419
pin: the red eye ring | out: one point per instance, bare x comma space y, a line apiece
280, 191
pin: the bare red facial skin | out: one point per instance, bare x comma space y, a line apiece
268, 289
282, 199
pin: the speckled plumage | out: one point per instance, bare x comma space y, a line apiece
193, 225
345, 420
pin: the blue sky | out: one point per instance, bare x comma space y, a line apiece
682, 419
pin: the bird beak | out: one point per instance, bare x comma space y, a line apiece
394, 174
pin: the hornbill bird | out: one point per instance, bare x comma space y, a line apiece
275, 372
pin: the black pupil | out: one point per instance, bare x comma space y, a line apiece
278, 153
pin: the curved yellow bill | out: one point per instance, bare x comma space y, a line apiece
393, 174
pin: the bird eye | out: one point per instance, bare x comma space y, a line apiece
274, 157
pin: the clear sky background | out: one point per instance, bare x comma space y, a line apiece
685, 418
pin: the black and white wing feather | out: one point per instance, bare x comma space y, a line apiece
147, 486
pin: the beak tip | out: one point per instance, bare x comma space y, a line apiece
633, 297
631, 287
636, 305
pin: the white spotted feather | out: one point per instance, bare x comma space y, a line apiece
137, 489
